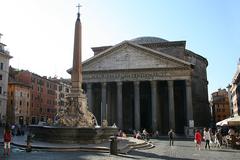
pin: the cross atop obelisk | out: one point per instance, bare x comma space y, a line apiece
78, 6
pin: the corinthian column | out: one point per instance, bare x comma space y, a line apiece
171, 105
119, 105
154, 104
104, 99
189, 100
137, 106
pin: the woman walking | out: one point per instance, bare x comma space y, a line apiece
198, 139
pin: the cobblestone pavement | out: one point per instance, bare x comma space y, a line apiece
180, 150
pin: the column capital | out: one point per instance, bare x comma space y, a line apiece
154, 83
136, 83
170, 83
188, 82
119, 83
104, 84
89, 85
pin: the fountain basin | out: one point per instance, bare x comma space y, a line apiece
71, 134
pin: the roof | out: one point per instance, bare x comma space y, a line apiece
144, 40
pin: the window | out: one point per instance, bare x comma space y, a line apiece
0, 90
1, 66
67, 90
0, 77
20, 103
60, 88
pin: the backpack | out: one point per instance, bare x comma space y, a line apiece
171, 134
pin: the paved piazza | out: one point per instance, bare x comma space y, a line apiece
181, 150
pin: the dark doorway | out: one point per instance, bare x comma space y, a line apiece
128, 106
179, 102
145, 105
163, 107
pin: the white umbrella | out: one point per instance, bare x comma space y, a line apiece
223, 122
235, 121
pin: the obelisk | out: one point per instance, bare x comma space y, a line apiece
76, 113
76, 75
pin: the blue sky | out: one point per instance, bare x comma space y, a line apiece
39, 33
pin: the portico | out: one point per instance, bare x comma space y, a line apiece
141, 99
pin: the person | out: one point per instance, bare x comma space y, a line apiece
171, 136
145, 134
156, 134
13, 129
138, 135
120, 133
7, 137
198, 139
218, 138
207, 138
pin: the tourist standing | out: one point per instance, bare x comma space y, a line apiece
198, 139
7, 137
171, 136
207, 138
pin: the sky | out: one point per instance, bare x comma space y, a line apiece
39, 33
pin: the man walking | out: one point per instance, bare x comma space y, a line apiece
171, 136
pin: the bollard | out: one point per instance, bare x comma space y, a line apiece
113, 145
29, 140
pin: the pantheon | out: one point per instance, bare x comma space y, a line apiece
147, 82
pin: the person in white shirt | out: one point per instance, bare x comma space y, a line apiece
207, 137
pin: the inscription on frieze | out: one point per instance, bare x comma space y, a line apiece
132, 76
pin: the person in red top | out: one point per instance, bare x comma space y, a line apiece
198, 139
7, 136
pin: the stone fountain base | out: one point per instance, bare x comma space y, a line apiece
71, 135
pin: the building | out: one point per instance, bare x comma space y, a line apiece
42, 96
4, 69
18, 110
63, 89
235, 91
220, 105
147, 82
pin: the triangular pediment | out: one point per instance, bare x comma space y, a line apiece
127, 55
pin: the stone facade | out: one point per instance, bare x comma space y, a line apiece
220, 105
18, 106
4, 70
43, 96
235, 91
148, 83
63, 89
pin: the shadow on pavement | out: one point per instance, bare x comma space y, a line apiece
153, 155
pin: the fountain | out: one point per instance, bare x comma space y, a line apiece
75, 123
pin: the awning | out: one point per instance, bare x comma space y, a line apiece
234, 121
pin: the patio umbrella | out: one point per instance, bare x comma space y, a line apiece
235, 121
223, 122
